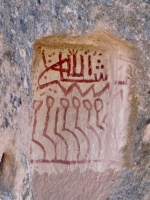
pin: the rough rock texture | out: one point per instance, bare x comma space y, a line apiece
75, 101
22, 22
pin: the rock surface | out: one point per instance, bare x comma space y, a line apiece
22, 23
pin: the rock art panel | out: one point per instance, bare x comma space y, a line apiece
81, 105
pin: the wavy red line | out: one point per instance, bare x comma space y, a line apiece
45, 129
75, 85
34, 126
59, 135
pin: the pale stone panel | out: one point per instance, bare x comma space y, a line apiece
81, 104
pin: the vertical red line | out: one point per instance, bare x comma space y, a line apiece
34, 128
69, 66
97, 121
59, 135
66, 129
90, 127
45, 130
84, 134
74, 64
89, 66
65, 113
88, 115
60, 66
44, 59
82, 65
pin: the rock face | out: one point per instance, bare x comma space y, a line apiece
74, 99
78, 87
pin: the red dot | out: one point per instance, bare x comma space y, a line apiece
97, 67
98, 61
102, 66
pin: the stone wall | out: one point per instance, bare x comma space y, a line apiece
125, 26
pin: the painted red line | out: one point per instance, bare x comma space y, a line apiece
59, 135
75, 85
40, 145
65, 104
98, 138
54, 67
44, 59
49, 103
66, 162
83, 133
34, 126
78, 144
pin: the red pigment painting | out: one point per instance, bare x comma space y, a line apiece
76, 95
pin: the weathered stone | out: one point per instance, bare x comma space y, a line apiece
79, 84
22, 23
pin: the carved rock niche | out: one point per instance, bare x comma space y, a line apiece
81, 103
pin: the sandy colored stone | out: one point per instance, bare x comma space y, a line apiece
22, 23
81, 103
